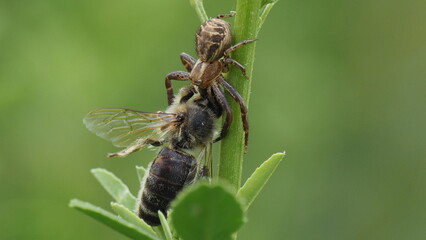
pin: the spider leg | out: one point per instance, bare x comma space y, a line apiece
236, 46
231, 61
212, 101
188, 61
231, 14
225, 106
237, 97
180, 76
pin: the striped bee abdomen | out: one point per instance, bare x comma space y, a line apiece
168, 174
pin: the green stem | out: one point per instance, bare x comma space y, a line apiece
199, 8
232, 147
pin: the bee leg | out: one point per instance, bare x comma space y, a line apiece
230, 61
188, 61
190, 178
205, 163
236, 46
136, 147
225, 106
204, 172
186, 94
237, 97
127, 151
179, 75
153, 142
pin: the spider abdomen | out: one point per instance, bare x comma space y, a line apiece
212, 39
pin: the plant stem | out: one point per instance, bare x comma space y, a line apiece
199, 8
232, 147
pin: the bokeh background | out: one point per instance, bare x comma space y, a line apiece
339, 85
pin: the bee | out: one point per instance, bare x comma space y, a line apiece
213, 46
186, 129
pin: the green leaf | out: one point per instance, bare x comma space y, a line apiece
115, 187
166, 227
131, 217
206, 212
159, 231
264, 13
259, 178
111, 220
199, 9
264, 2
141, 171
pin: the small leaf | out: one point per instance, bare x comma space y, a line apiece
159, 231
268, 4
115, 187
199, 8
264, 2
258, 179
131, 217
111, 220
141, 171
166, 227
206, 212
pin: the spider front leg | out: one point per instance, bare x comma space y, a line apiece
243, 108
236, 46
180, 76
225, 106
230, 61
231, 14
188, 61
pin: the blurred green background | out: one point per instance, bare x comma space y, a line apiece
339, 85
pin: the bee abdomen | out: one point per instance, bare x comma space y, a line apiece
213, 38
167, 177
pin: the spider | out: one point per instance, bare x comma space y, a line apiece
213, 46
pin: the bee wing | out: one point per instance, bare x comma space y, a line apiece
208, 162
123, 127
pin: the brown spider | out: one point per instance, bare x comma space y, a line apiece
213, 46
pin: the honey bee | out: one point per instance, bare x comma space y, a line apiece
185, 131
213, 46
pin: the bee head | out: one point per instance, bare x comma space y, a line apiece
180, 118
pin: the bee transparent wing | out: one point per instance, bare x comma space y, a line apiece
208, 163
125, 127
